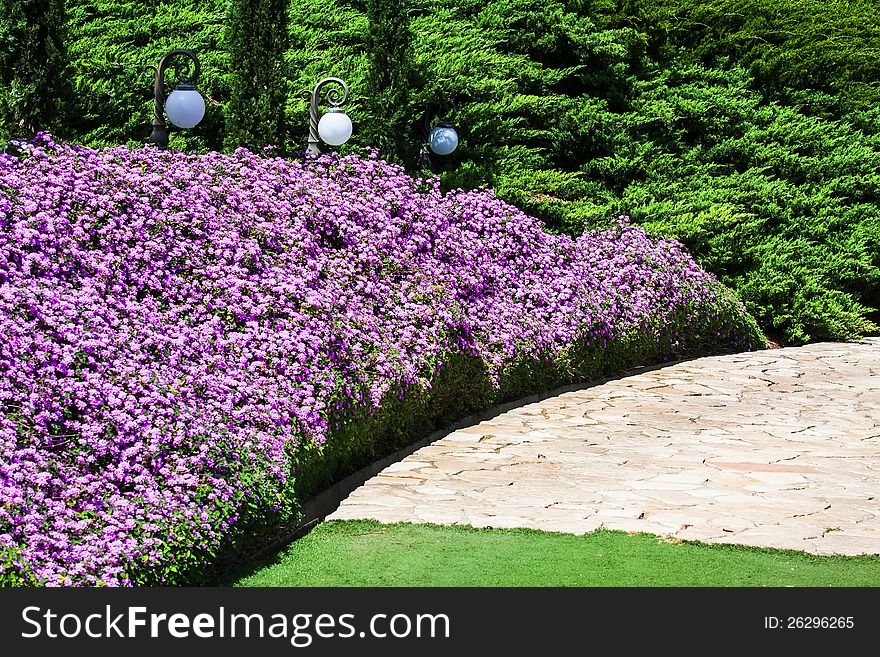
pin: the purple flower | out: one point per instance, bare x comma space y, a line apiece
172, 326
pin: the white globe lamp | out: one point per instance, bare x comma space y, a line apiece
335, 127
185, 106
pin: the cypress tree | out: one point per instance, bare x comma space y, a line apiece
33, 62
389, 80
256, 40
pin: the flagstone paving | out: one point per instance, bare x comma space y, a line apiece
776, 448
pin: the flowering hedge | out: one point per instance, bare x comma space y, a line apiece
178, 332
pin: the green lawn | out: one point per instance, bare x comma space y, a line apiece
365, 553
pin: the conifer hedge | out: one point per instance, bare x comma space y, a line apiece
33, 63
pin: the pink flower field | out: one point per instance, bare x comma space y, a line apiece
175, 329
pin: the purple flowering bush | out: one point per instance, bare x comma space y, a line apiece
181, 336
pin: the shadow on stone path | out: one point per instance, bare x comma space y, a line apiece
777, 448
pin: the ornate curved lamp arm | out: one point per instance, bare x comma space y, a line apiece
335, 97
445, 113
447, 118
185, 73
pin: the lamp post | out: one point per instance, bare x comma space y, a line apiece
184, 106
335, 127
442, 138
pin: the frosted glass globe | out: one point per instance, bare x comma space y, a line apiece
335, 127
443, 140
185, 107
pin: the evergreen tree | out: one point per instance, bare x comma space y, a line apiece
390, 77
256, 40
33, 63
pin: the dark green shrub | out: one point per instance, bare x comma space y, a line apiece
788, 45
33, 63
256, 40
390, 79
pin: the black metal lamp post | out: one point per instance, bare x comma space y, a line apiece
184, 106
442, 138
335, 127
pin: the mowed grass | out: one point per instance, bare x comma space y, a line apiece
366, 553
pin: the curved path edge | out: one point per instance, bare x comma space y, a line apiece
325, 503
776, 448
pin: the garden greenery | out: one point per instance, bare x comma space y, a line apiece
390, 78
33, 67
788, 45
255, 43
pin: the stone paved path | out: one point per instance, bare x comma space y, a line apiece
777, 448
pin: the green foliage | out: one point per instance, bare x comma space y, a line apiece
327, 38
11, 571
390, 77
256, 40
33, 60
788, 45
